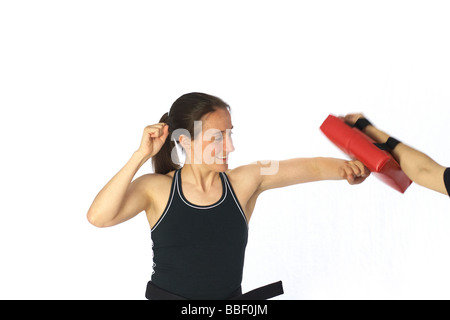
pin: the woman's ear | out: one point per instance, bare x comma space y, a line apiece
185, 142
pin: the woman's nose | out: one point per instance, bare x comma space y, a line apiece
229, 147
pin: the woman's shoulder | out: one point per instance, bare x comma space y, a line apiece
155, 185
249, 174
154, 181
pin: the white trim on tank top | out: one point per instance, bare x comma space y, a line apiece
168, 207
224, 185
235, 200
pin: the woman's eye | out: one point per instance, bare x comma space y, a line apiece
220, 137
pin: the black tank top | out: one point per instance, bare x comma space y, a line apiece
447, 180
198, 251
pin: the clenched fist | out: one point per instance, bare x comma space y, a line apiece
153, 139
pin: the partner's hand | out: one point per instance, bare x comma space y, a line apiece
351, 118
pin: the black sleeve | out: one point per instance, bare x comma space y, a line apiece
447, 180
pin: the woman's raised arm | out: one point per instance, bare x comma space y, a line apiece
120, 200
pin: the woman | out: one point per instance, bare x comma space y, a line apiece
199, 213
419, 167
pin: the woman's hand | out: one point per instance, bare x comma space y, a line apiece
153, 139
355, 172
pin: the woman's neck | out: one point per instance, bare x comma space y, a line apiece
200, 176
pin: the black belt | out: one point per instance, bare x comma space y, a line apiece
263, 293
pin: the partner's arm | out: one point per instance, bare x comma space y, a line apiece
418, 166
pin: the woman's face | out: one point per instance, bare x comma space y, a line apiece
213, 144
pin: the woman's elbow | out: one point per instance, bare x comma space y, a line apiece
95, 220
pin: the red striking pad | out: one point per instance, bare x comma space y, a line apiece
359, 146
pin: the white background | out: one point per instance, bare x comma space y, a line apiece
79, 80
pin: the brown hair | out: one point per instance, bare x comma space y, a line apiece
184, 111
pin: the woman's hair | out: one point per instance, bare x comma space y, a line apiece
184, 111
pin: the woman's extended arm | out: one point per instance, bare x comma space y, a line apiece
419, 167
303, 170
120, 200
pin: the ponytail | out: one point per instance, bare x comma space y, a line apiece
163, 161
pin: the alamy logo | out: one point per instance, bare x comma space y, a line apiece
216, 144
